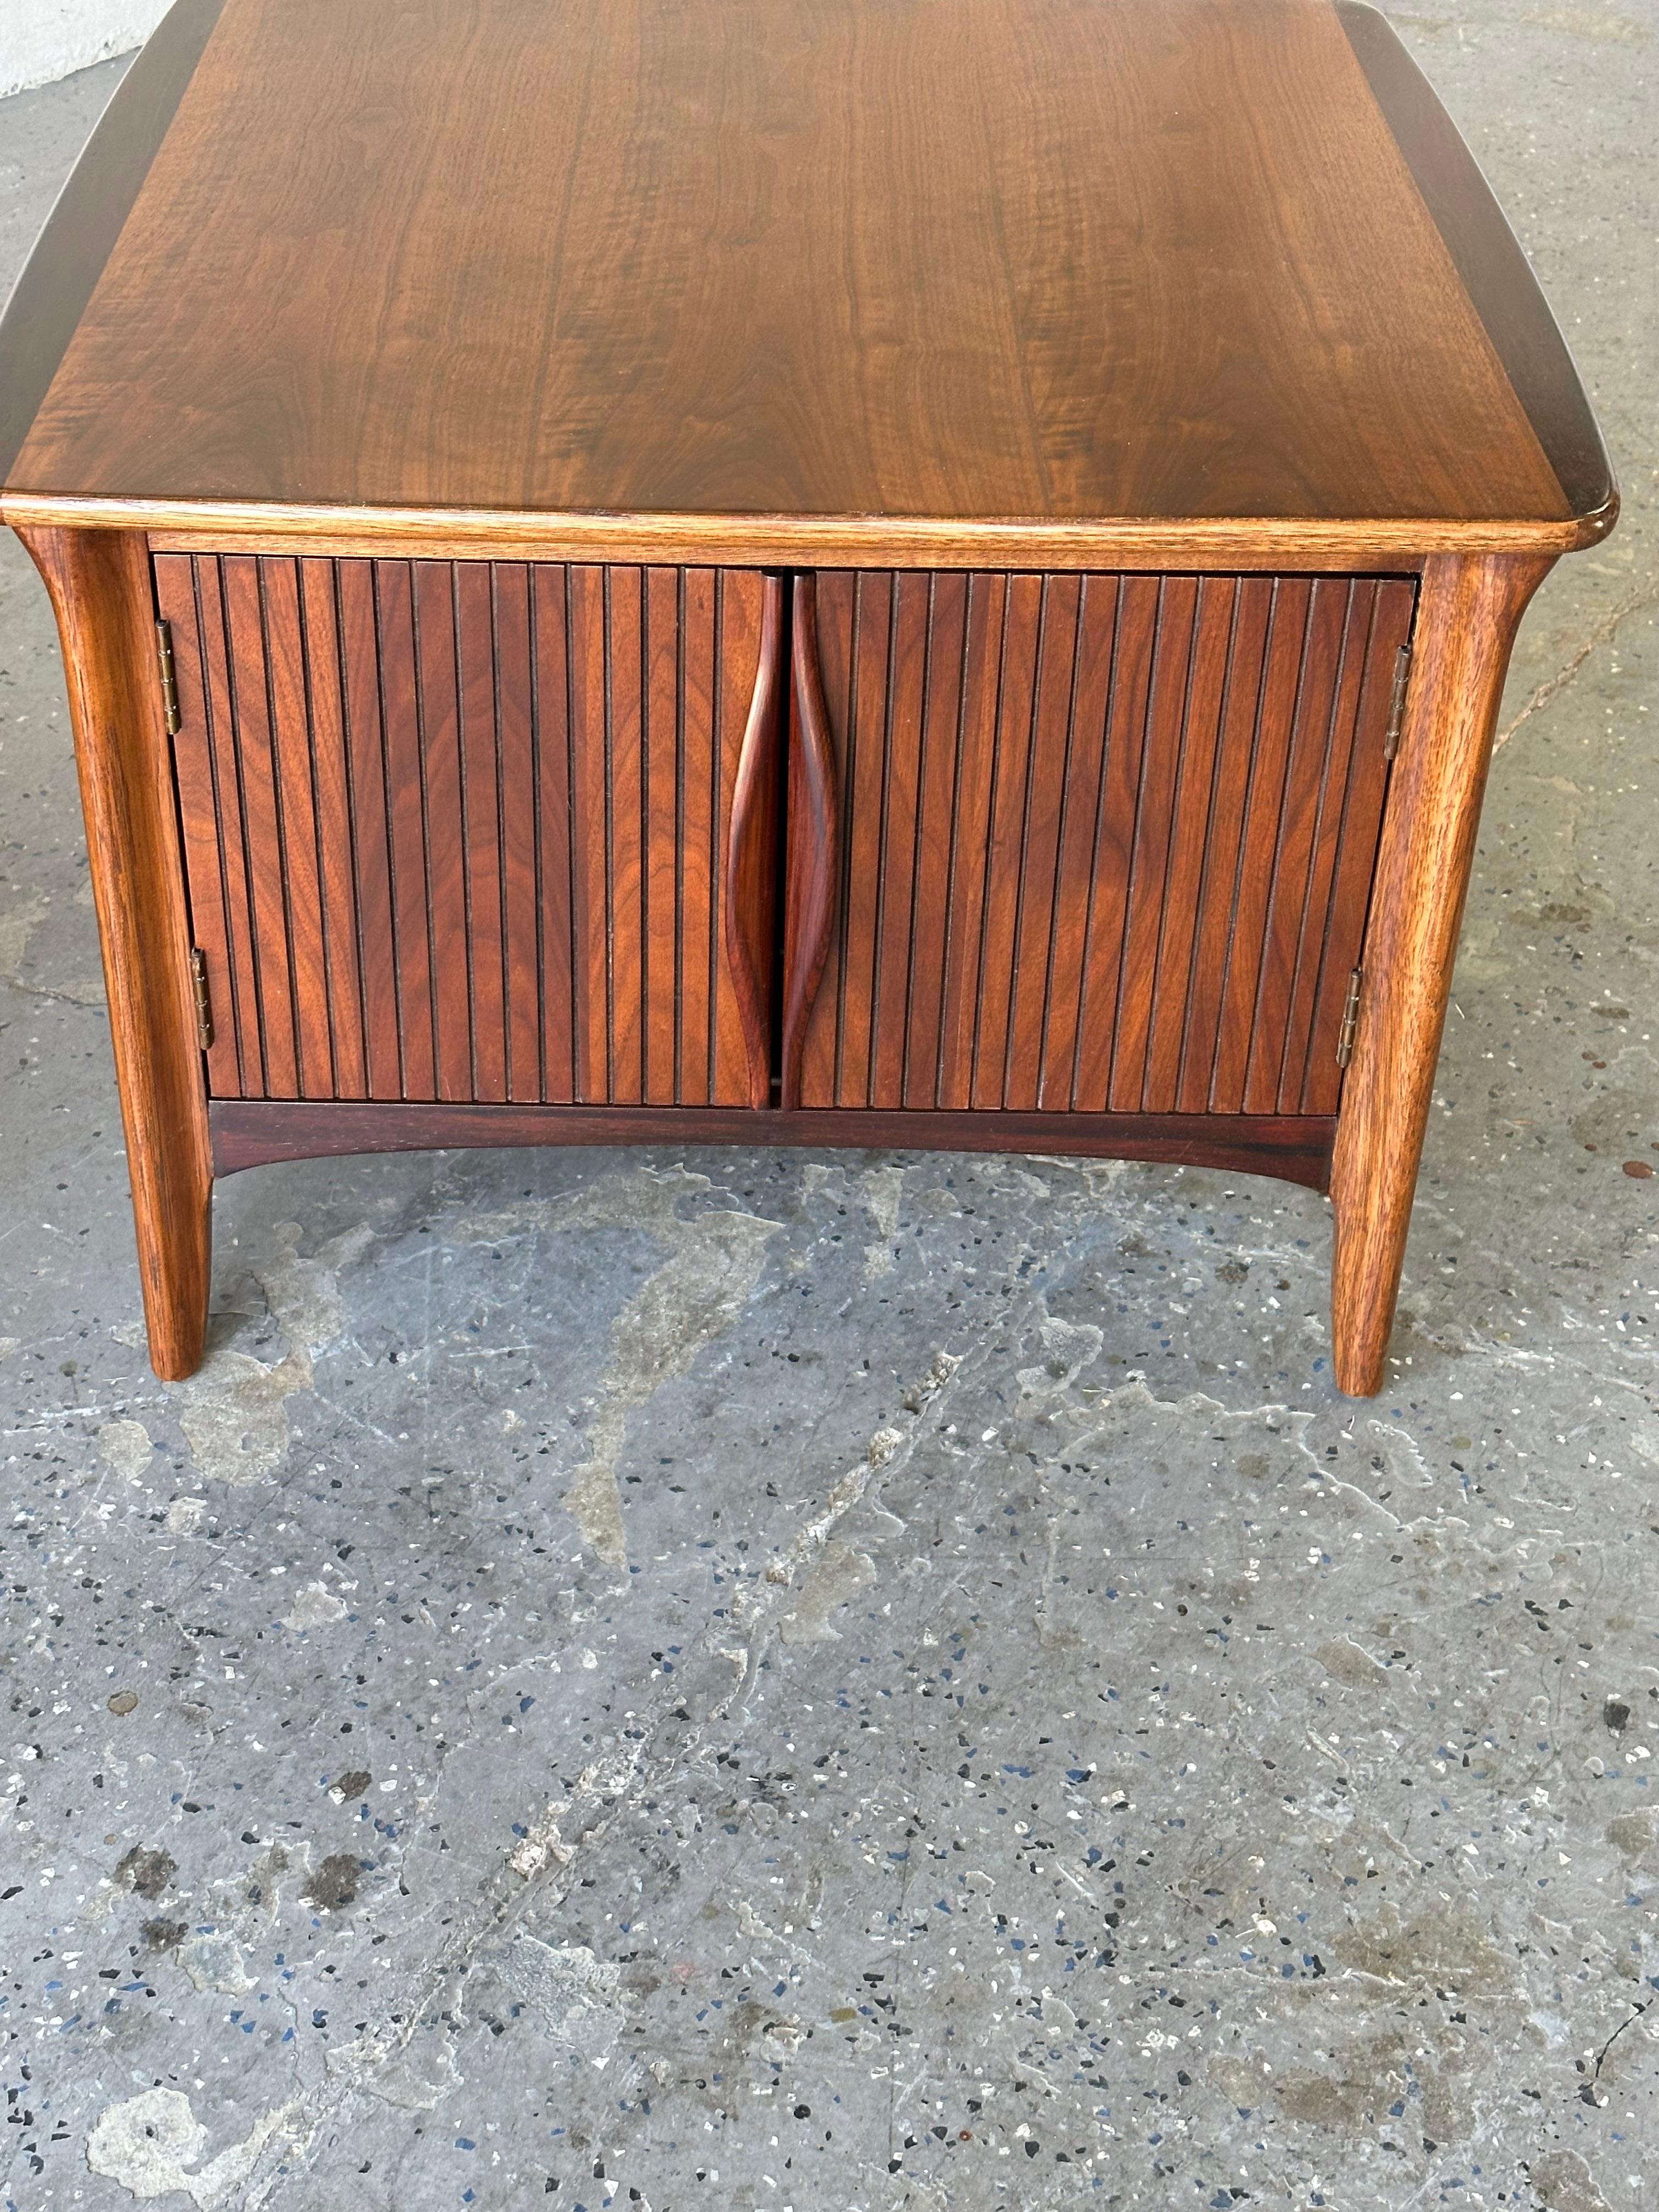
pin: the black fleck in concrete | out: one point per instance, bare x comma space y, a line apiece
722, 1679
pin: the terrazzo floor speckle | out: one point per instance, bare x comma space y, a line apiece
874, 1682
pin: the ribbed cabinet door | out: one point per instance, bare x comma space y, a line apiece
455, 830
1106, 841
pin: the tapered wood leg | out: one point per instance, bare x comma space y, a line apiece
1467, 620
100, 593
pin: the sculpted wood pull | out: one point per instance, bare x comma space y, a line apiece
751, 849
813, 863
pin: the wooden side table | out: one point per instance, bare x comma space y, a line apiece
793, 571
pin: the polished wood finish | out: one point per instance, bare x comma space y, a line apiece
1104, 839
454, 830
1294, 1148
1489, 262
51, 296
101, 593
1470, 612
1076, 230
1208, 543
750, 867
737, 574
812, 870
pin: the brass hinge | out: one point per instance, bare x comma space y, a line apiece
169, 679
199, 984
1403, 671
1350, 1019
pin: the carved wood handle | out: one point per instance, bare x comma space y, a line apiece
751, 849
814, 839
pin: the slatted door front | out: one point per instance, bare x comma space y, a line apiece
1105, 842
454, 830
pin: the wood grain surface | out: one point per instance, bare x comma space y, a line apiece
1104, 840
455, 830
1466, 627
51, 295
99, 586
811, 860
750, 862
1215, 543
1489, 259
247, 1133
816, 259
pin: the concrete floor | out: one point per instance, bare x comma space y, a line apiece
696, 1678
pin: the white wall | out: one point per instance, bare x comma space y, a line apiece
43, 40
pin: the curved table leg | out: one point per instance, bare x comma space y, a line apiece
100, 583
1467, 619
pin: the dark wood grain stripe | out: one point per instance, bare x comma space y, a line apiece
982, 684
624, 726
1294, 1150
359, 677
261, 815
1112, 865
1052, 718
549, 646
228, 796
1192, 819
199, 810
699, 766
51, 296
406, 821
1016, 705
1218, 892
444, 815
293, 752
1357, 842
330, 771
1292, 838
864, 779
1162, 757
590, 833
1275, 723
519, 818
1492, 262
660, 833
476, 673
1311, 924
1092, 685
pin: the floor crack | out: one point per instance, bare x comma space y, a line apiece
1563, 676
56, 997
1601, 2054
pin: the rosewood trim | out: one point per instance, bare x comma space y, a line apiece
1294, 1148
813, 867
1494, 269
59, 279
751, 852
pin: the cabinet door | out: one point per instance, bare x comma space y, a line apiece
458, 830
1104, 843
